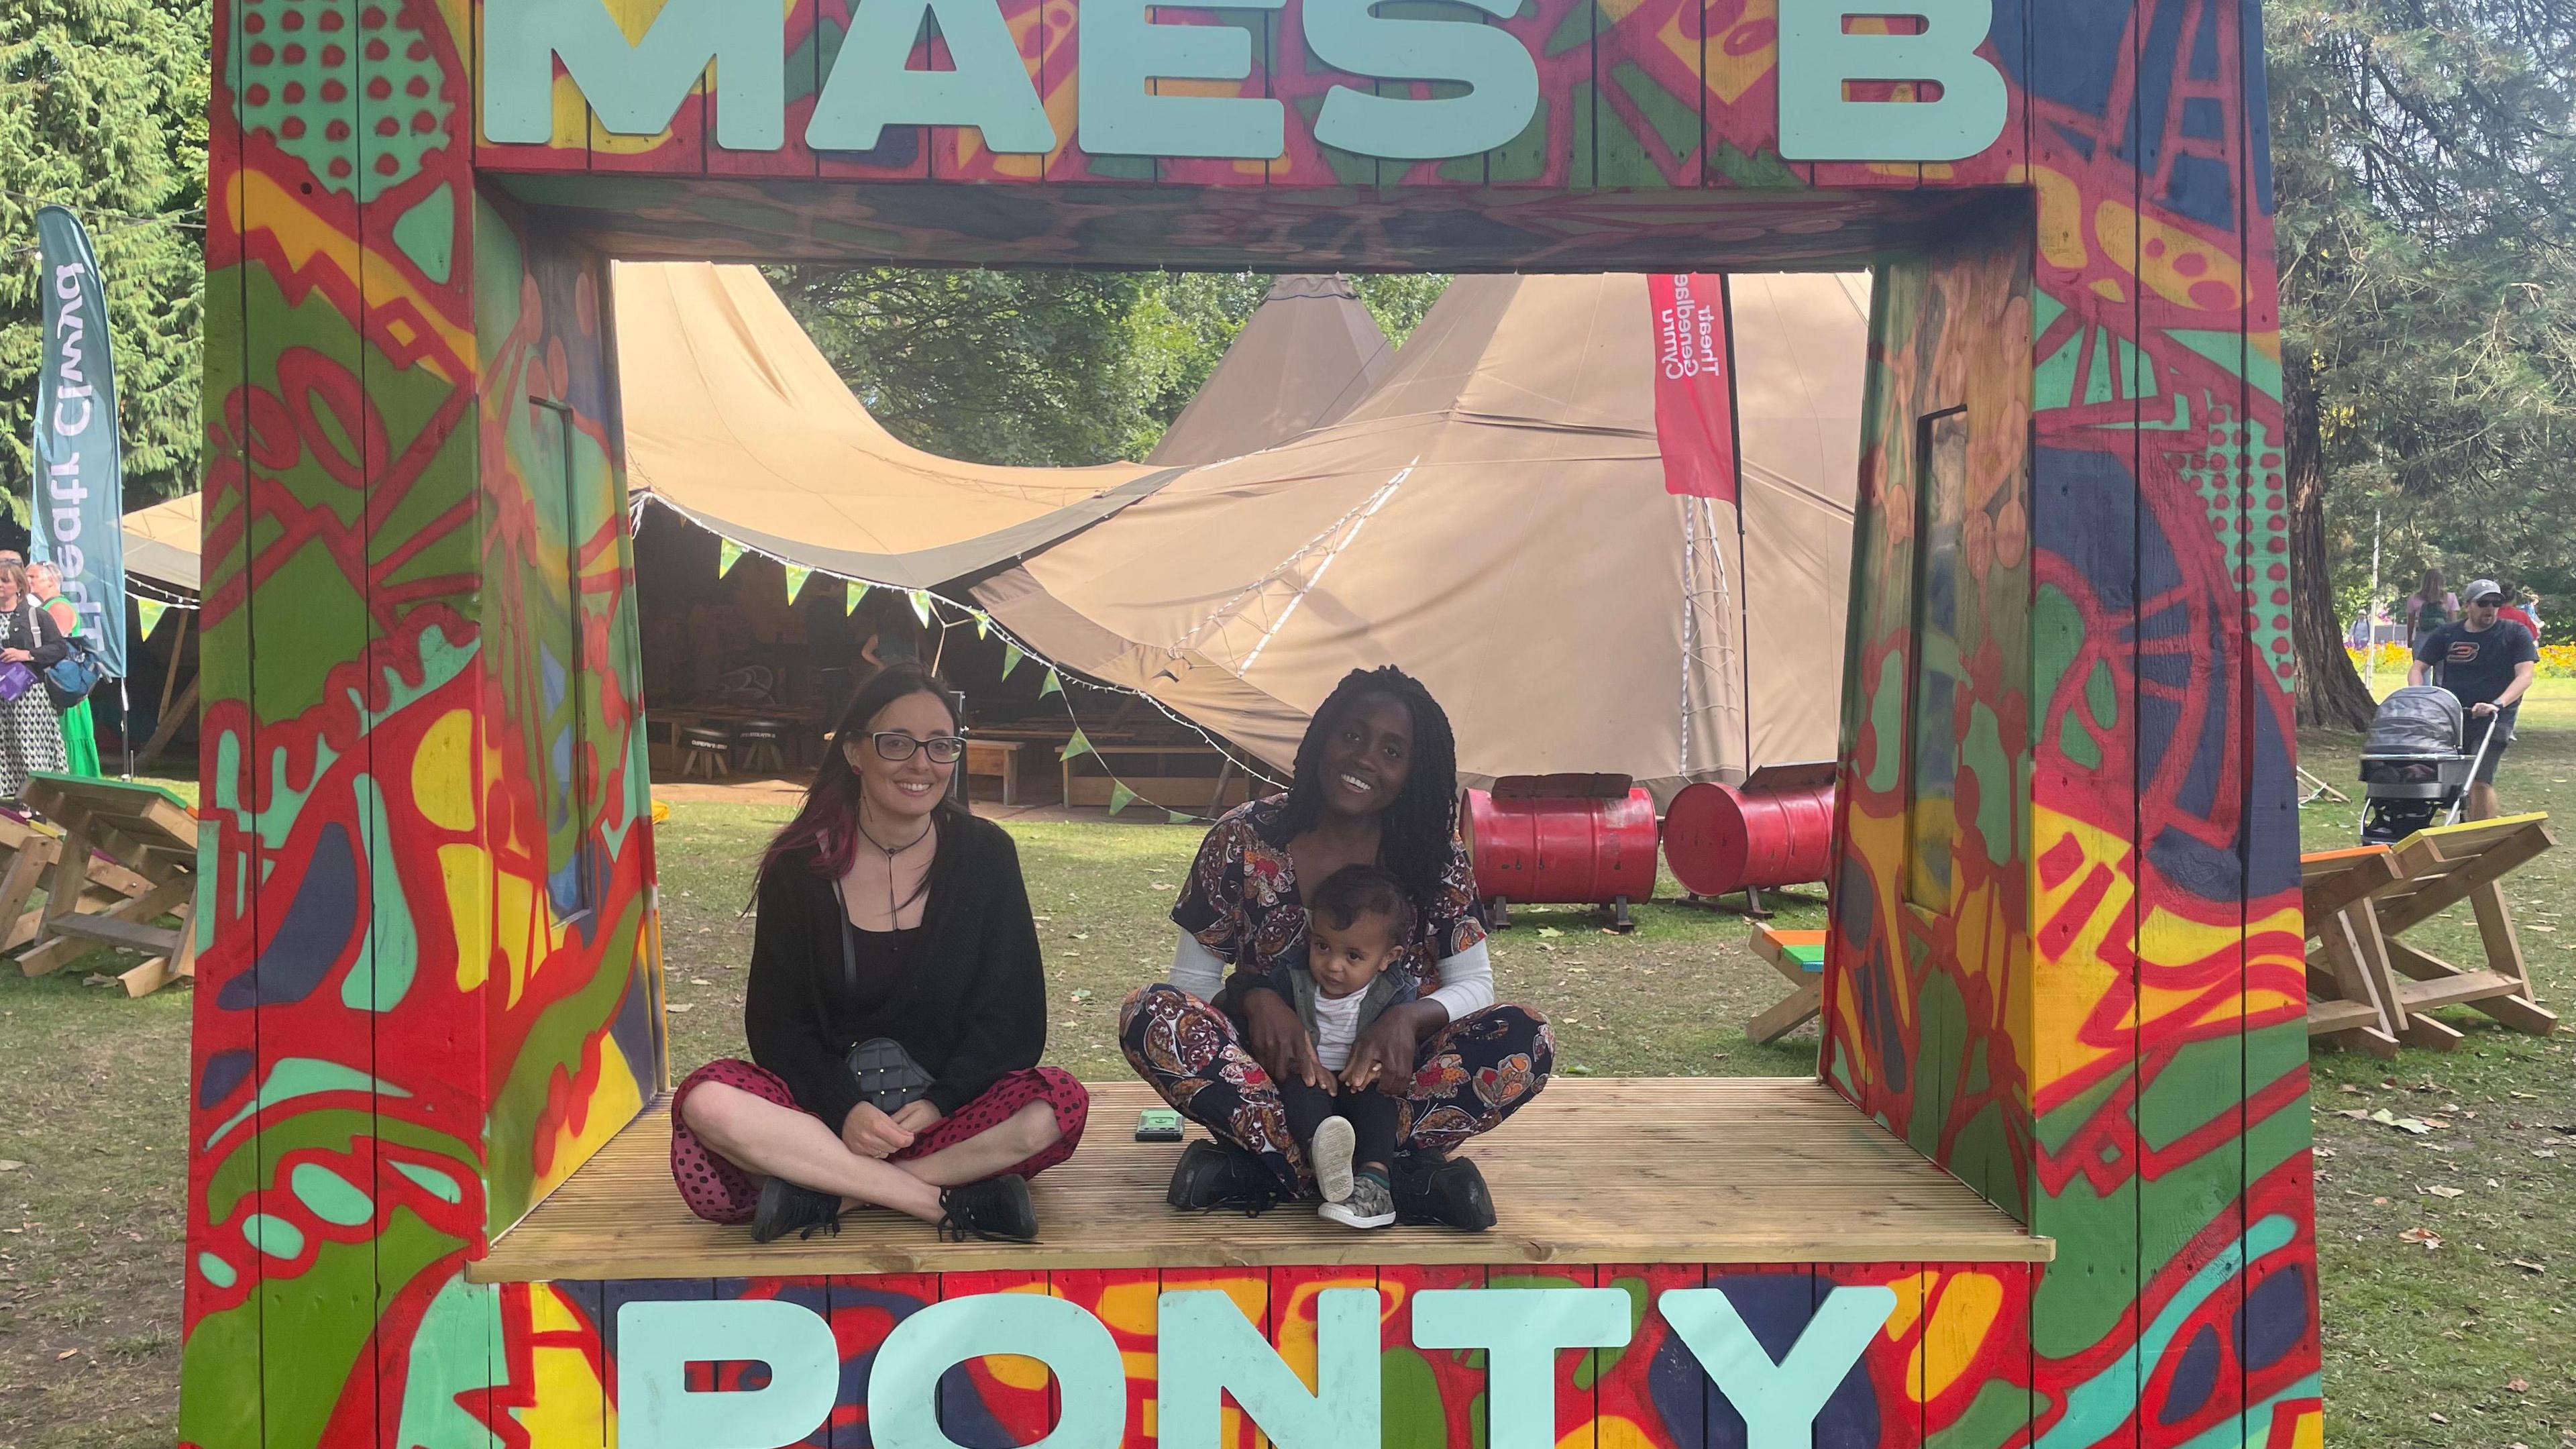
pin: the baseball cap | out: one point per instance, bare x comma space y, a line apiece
2480, 588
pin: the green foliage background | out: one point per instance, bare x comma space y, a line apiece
103, 109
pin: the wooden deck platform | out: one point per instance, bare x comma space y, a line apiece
1674, 1170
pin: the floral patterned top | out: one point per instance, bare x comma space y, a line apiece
1242, 893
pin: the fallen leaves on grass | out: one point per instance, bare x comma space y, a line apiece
2517, 1386
2528, 1266
2438, 1190
10, 1164
2429, 1238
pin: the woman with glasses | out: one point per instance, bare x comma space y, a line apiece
896, 1008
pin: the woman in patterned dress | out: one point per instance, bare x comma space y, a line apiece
31, 736
1376, 783
80, 736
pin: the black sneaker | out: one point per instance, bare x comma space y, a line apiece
786, 1208
997, 1210
1214, 1175
1450, 1191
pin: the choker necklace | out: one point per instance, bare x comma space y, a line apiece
891, 851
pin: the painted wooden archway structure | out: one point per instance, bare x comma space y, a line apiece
2065, 960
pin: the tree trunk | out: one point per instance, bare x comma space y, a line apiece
2331, 694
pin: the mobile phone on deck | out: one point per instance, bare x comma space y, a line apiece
1158, 1124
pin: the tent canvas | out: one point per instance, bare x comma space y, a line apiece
1304, 358
1494, 519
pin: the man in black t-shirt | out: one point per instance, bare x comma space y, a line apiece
2486, 662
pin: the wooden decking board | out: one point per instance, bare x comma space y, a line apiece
1688, 1170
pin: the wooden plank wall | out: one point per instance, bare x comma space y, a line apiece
1922, 1381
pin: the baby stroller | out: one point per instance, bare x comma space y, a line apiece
2414, 773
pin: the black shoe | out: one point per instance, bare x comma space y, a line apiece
1446, 1190
1214, 1175
786, 1208
997, 1210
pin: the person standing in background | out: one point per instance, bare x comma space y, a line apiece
2525, 613
829, 648
31, 737
2428, 608
80, 731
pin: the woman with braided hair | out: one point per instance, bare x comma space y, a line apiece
1376, 784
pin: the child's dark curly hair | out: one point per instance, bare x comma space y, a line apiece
1364, 890
1418, 830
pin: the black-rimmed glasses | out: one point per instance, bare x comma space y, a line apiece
896, 745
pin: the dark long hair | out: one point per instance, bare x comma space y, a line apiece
827, 824
1416, 833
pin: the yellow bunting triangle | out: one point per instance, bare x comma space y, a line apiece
149, 612
983, 624
797, 574
1076, 747
1011, 657
1120, 797
857, 591
1053, 685
728, 553
921, 607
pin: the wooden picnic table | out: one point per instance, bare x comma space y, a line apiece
1800, 957
2373, 990
141, 829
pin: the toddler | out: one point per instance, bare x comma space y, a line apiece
1356, 922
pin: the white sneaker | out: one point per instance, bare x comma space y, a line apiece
1330, 1155
1371, 1204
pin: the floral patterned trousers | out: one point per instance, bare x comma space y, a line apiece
1467, 1077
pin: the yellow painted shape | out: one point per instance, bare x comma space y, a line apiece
2061, 218
1962, 1317
2160, 248
466, 869
569, 1395
2310, 1430
1731, 75
2108, 289
1610, 1431
1130, 1307
613, 1104
1909, 1306
1016, 1371
304, 238
442, 772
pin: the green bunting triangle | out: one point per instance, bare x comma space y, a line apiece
728, 553
1053, 685
1011, 657
1120, 797
983, 624
797, 574
921, 607
149, 612
1181, 817
1076, 747
857, 591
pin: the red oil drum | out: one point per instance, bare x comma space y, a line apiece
1557, 839
1721, 838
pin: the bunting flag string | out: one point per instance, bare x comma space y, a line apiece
148, 613
797, 574
921, 606
1011, 657
983, 623
857, 591
728, 553
1053, 685
1077, 747
1120, 797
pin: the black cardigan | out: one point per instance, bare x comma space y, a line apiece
45, 641
971, 1008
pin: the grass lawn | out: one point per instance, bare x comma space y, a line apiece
2453, 1346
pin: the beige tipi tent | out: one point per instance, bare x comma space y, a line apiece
1494, 519
734, 419
1305, 357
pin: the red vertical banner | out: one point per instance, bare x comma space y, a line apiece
1694, 393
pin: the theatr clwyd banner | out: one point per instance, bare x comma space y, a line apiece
77, 514
1694, 403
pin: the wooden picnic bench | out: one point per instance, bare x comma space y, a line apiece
1800, 957
144, 830
31, 851
996, 757
2373, 991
